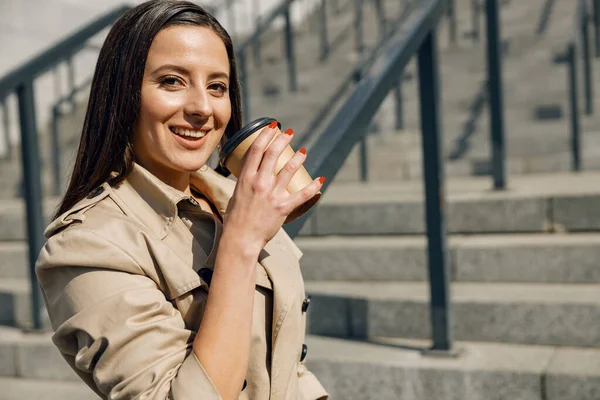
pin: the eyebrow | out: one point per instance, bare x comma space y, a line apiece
185, 71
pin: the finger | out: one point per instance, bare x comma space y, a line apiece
290, 168
253, 157
302, 196
273, 152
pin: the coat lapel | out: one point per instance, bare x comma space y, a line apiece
286, 332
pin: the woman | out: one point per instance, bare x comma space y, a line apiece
127, 270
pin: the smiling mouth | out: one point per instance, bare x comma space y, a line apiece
188, 133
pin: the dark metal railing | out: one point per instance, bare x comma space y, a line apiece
283, 10
495, 95
330, 150
544, 17
579, 42
355, 76
253, 42
21, 82
596, 6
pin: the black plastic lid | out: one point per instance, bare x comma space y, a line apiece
241, 135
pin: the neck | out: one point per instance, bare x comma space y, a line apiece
176, 179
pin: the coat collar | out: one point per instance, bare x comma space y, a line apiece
155, 204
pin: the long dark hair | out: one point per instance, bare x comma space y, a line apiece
114, 103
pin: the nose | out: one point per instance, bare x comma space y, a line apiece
198, 103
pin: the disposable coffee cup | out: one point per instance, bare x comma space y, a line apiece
232, 153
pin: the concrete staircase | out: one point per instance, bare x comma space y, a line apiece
532, 82
524, 269
525, 290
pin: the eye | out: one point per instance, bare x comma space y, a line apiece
219, 87
170, 81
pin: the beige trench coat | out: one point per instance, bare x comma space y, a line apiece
125, 275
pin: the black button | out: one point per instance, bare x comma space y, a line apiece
206, 275
245, 384
306, 303
96, 192
304, 351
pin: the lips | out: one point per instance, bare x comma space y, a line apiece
188, 133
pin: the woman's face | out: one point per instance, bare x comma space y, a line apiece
185, 105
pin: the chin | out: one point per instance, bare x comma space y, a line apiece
191, 165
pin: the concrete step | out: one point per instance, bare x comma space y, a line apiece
382, 368
18, 388
532, 203
13, 260
12, 217
15, 303
391, 369
541, 314
556, 258
32, 356
387, 161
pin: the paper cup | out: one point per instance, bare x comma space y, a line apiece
237, 145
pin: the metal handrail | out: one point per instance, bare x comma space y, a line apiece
330, 150
579, 33
282, 10
265, 24
54, 55
353, 77
21, 81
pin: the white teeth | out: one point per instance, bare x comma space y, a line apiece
189, 133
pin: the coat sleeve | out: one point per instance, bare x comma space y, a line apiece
310, 387
114, 326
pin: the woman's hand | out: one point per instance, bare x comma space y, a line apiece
260, 203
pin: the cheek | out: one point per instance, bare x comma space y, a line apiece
157, 107
222, 112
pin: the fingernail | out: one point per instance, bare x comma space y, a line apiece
322, 179
289, 131
302, 150
273, 124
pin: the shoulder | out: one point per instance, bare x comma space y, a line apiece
81, 210
94, 231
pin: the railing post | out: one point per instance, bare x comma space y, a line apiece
596, 4
475, 15
433, 165
363, 149
359, 37
231, 18
289, 50
364, 165
574, 106
6, 129
398, 101
33, 191
336, 6
587, 68
244, 83
256, 47
71, 78
56, 150
494, 56
323, 30
451, 13
380, 18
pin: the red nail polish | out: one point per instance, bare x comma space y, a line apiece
273, 124
302, 150
322, 179
289, 131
